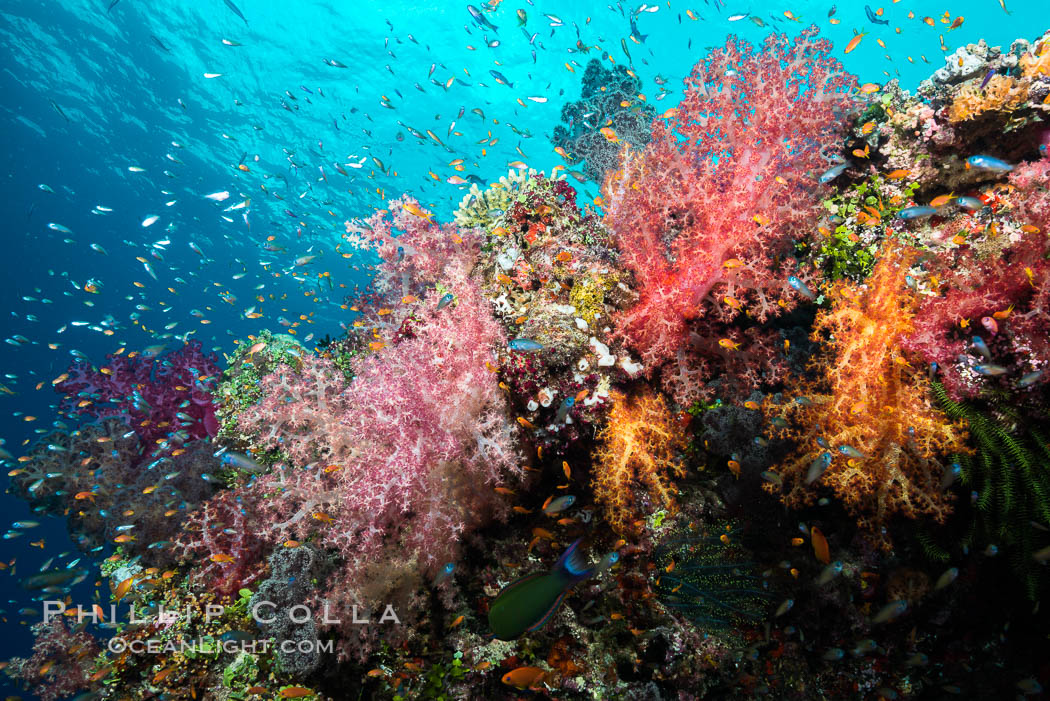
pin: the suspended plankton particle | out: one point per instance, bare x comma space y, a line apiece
150, 220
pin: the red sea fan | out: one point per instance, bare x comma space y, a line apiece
706, 214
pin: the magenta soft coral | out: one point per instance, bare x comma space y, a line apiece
705, 216
61, 662
156, 396
222, 543
1003, 298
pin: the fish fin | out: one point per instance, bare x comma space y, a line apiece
550, 612
572, 564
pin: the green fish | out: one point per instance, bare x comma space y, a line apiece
526, 605
522, 18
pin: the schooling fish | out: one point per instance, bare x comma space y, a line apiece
501, 79
480, 19
802, 287
527, 604
235, 10
873, 17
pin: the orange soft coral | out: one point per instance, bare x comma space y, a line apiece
871, 414
638, 446
1001, 94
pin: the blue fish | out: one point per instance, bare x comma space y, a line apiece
445, 301
501, 79
981, 162
802, 287
851, 452
970, 202
525, 345
990, 370
235, 10
480, 19
563, 410
873, 17
1030, 378
915, 212
833, 172
634, 30
982, 347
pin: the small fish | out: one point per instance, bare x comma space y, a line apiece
501, 79
235, 10
817, 467
833, 172
872, 17
555, 506
445, 301
784, 608
851, 452
480, 19
890, 611
832, 654
995, 165
444, 574
525, 678
917, 212
1029, 379
982, 347
990, 370
820, 545
990, 324
854, 42
802, 288
772, 478
947, 578
525, 345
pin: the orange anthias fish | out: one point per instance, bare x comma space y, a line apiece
525, 677
854, 42
820, 545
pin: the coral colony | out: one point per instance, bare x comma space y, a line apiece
768, 420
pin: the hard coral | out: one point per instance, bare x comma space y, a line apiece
705, 215
638, 448
870, 419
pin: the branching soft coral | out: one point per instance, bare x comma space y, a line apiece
638, 449
706, 213
61, 661
871, 419
166, 400
396, 465
1002, 296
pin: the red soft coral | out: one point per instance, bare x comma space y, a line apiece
61, 661
705, 215
1003, 296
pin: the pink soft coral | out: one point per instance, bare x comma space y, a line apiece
61, 661
398, 464
705, 215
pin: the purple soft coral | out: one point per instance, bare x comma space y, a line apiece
156, 396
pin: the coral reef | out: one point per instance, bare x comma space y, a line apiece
868, 429
611, 112
707, 214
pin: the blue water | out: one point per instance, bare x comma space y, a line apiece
89, 93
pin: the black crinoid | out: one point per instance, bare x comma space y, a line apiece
706, 576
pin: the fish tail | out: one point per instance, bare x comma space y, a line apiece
572, 565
